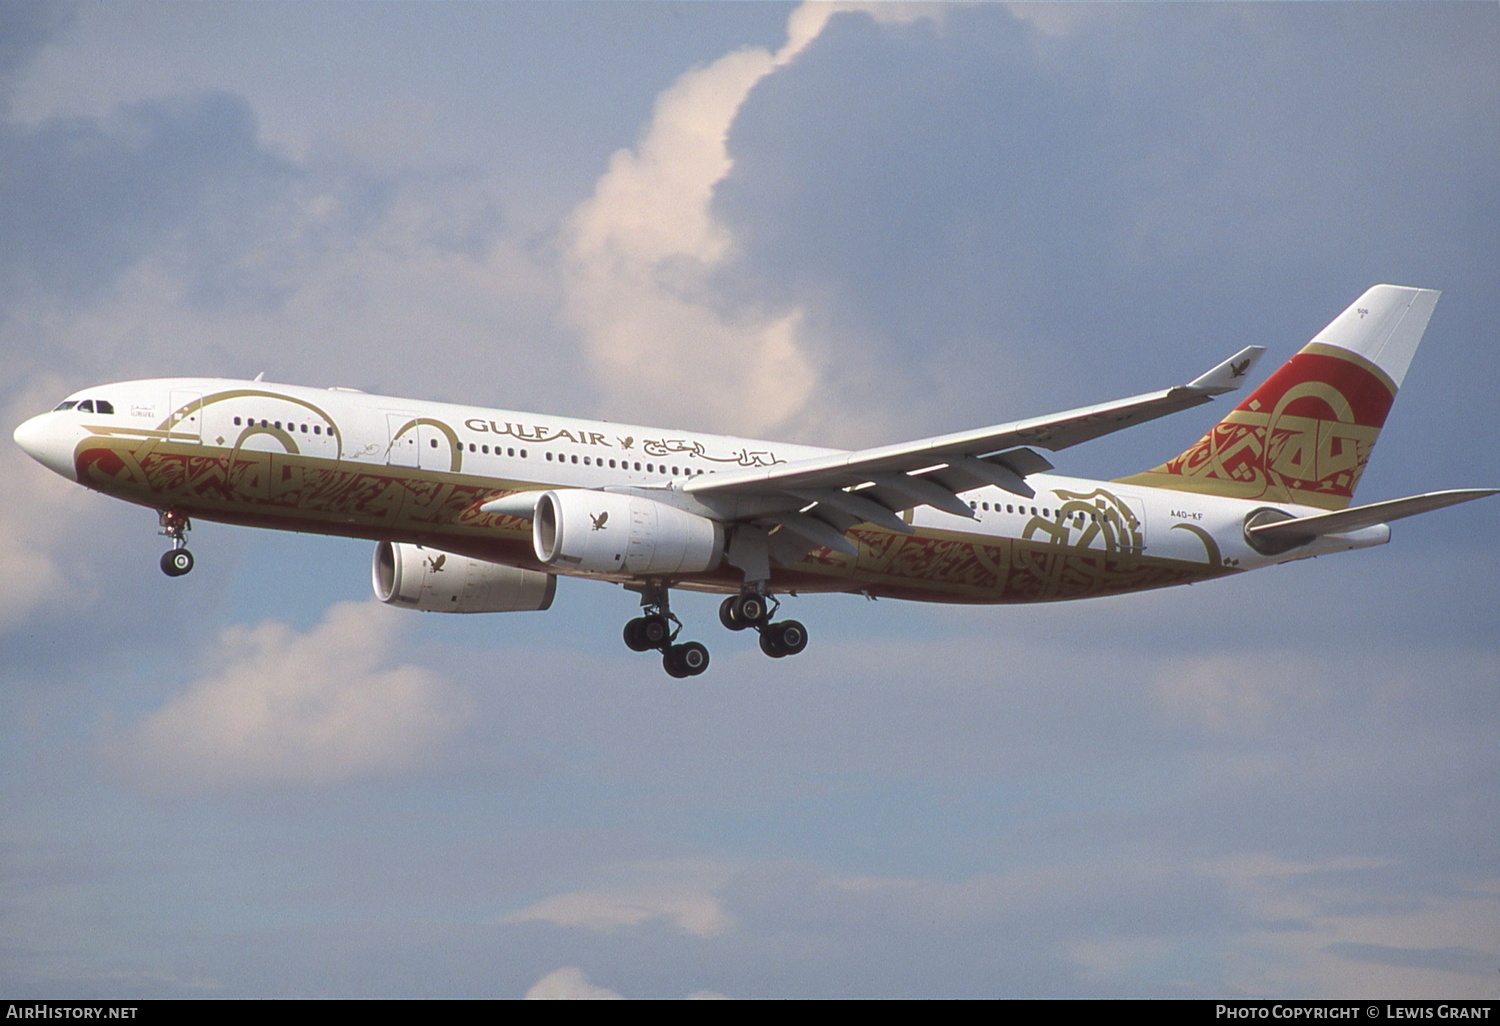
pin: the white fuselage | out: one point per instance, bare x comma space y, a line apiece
343, 462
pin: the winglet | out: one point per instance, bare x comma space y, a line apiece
1230, 374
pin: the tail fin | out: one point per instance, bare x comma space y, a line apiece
1305, 434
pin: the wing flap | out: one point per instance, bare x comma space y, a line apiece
815, 532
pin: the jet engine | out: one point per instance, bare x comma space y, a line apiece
585, 531
416, 577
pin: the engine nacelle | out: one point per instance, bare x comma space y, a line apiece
605, 532
416, 577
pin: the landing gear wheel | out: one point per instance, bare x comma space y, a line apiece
635, 635
792, 636
783, 638
656, 631
686, 660
738, 612
176, 562
727, 617
750, 609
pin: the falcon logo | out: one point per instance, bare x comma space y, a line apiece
600, 520
435, 563
1237, 370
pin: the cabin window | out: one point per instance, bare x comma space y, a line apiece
510, 452
473, 447
523, 454
317, 429
484, 449
585, 461
549, 455
236, 422
434, 443
575, 459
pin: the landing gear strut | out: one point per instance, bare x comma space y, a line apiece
754, 609
178, 560
658, 629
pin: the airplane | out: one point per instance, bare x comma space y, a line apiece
478, 510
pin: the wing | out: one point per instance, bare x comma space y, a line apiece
820, 498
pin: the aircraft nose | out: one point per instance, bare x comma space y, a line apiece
49, 443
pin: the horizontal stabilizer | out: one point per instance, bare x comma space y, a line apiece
1302, 529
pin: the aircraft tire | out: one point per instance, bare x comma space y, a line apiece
687, 660
770, 642
176, 562
692, 657
728, 614
791, 636
749, 609
656, 632
635, 635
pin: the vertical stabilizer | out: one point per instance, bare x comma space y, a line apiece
1306, 433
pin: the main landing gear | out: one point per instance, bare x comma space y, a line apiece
658, 630
177, 560
751, 609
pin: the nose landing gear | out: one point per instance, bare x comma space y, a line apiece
177, 560
656, 630
752, 609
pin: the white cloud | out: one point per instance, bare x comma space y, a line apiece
641, 254
41, 519
289, 708
317, 285
683, 894
569, 984
1356, 939
1240, 694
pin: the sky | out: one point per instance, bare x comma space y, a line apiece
821, 223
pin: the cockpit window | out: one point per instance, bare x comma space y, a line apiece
88, 406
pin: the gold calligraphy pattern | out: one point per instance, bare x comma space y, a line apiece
1091, 544
1304, 436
